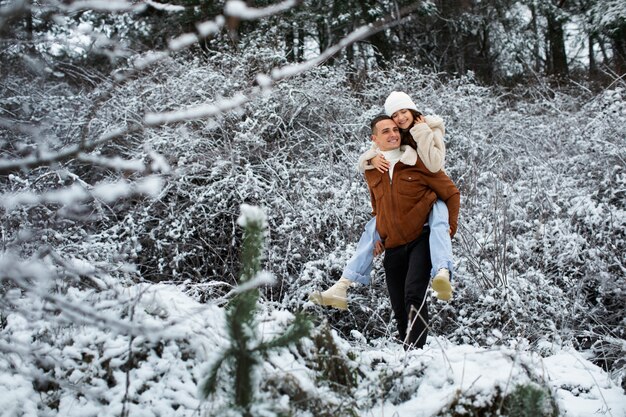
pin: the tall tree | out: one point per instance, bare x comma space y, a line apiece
555, 35
608, 21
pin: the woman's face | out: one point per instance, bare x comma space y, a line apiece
403, 118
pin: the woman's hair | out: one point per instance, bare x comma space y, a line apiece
405, 135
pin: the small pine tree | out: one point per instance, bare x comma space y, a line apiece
246, 350
530, 400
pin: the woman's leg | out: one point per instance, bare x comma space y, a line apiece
359, 266
440, 250
440, 241
357, 269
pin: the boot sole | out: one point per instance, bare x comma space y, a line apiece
336, 302
443, 296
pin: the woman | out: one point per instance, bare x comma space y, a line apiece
425, 134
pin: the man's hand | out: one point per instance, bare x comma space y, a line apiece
379, 248
380, 163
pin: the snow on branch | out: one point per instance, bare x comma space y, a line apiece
360, 33
183, 41
265, 81
210, 27
150, 58
239, 9
11, 9
196, 112
107, 192
105, 6
251, 215
41, 158
35, 277
165, 6
295, 69
259, 280
117, 163
235, 8
205, 29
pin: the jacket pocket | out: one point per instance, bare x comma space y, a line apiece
409, 185
378, 188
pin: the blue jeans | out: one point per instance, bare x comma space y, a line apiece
359, 266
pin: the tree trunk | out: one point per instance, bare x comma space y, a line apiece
300, 45
382, 46
593, 68
290, 45
618, 39
557, 60
382, 49
536, 46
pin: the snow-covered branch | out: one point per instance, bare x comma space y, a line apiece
116, 163
239, 9
43, 158
263, 80
107, 192
165, 6
35, 277
105, 6
292, 70
196, 112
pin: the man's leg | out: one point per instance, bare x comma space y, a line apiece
396, 267
357, 269
416, 287
440, 250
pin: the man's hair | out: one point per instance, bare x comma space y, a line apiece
377, 119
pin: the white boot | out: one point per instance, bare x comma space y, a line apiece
441, 285
336, 296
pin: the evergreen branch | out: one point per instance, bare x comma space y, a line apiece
240, 317
209, 386
301, 327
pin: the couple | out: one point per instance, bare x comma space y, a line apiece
416, 207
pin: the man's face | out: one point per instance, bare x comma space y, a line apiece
386, 135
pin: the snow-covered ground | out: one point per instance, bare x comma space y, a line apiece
181, 336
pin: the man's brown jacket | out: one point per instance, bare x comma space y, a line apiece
402, 206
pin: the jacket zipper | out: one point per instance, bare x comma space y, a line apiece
394, 201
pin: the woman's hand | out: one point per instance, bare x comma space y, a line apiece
419, 119
380, 163
378, 247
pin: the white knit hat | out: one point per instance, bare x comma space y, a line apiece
398, 100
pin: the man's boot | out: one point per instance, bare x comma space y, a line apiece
441, 285
336, 296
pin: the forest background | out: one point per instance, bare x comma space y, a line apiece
131, 133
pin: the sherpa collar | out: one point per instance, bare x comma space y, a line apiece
409, 155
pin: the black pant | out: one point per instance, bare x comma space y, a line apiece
407, 272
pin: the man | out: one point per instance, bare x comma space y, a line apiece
401, 200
